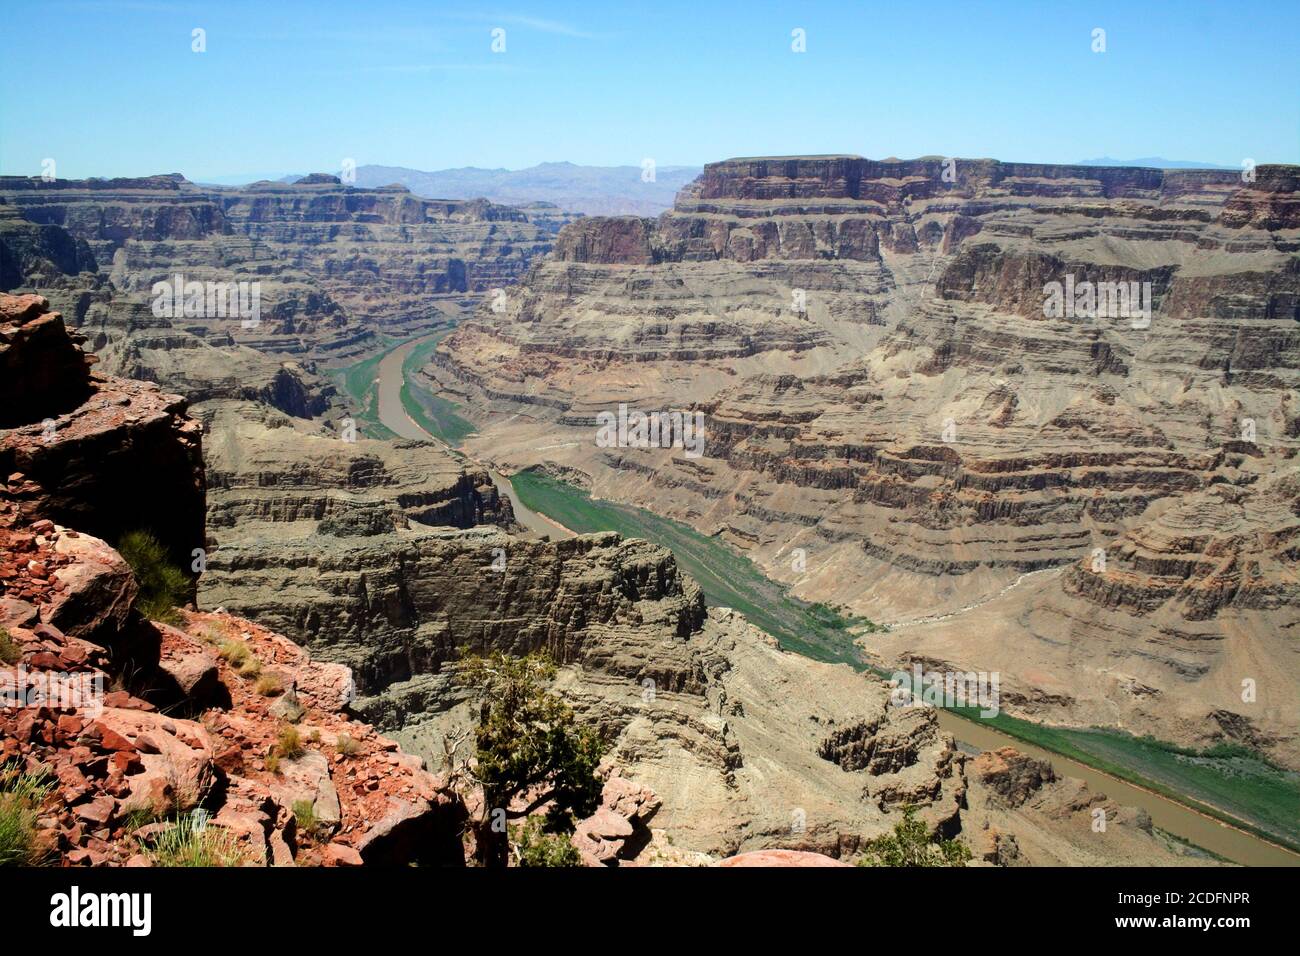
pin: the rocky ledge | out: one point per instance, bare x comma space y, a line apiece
128, 764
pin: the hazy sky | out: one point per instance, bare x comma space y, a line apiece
114, 88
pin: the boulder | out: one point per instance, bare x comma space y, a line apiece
176, 756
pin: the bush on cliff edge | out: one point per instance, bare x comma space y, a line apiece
910, 845
163, 586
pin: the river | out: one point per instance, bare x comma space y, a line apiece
394, 415
1204, 831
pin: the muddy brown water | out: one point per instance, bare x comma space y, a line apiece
1206, 832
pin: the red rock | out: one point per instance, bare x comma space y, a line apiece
26, 726
73, 784
128, 763
45, 661
791, 858
340, 854
111, 740
74, 652
173, 770
120, 698
97, 812
70, 724
72, 833
601, 837
197, 677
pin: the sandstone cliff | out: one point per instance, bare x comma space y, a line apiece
336, 264
887, 399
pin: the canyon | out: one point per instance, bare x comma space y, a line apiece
393, 557
1105, 510
726, 742
338, 266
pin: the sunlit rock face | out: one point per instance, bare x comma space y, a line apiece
928, 378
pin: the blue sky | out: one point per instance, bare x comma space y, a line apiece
113, 88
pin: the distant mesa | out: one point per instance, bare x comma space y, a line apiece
319, 179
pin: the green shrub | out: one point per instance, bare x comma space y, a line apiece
21, 796
191, 842
911, 845
163, 586
304, 813
528, 741
535, 846
289, 744
346, 746
11, 652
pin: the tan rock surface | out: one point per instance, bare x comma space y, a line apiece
926, 435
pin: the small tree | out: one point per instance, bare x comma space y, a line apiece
532, 845
528, 745
911, 845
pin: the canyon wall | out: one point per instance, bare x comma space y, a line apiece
336, 265
384, 557
898, 423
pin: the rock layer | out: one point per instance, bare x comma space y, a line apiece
897, 424
335, 264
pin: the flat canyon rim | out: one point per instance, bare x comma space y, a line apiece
1207, 831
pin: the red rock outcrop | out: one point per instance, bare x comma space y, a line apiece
619, 829
138, 723
106, 456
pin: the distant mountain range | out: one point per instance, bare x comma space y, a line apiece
589, 190
1154, 162
593, 190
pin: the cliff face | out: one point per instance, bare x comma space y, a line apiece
887, 394
335, 263
397, 605
98, 453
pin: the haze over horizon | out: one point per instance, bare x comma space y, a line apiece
300, 87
